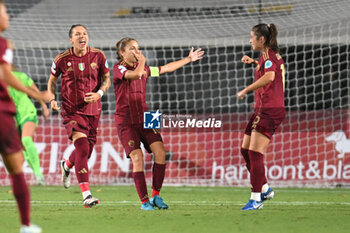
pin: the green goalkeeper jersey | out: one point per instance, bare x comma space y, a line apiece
24, 106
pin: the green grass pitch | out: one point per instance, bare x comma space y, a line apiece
191, 209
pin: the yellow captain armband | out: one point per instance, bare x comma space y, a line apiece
154, 70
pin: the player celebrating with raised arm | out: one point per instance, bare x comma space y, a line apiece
269, 111
27, 121
10, 144
129, 81
84, 78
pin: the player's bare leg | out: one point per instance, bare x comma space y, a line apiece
139, 178
158, 174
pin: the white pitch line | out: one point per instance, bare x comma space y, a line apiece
282, 190
181, 203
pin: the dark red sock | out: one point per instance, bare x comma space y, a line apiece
245, 154
70, 162
158, 178
257, 170
22, 195
140, 184
81, 160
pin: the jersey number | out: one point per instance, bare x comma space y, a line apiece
122, 69
283, 68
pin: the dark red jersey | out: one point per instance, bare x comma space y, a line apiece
80, 75
130, 94
270, 98
6, 56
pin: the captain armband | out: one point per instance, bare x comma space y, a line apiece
154, 70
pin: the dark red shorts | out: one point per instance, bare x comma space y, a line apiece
81, 123
131, 136
263, 124
10, 141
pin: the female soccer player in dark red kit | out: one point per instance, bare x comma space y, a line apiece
85, 78
268, 87
129, 80
10, 143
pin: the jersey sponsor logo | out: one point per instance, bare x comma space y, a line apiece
81, 66
106, 64
8, 56
268, 64
53, 68
93, 65
122, 68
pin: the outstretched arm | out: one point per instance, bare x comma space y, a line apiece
46, 112
267, 78
12, 81
192, 56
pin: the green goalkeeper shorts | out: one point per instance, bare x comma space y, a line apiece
28, 118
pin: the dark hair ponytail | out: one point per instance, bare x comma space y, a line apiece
269, 32
273, 38
120, 46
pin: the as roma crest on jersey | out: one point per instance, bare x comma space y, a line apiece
81, 66
93, 65
131, 143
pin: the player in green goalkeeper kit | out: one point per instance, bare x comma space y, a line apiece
27, 120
